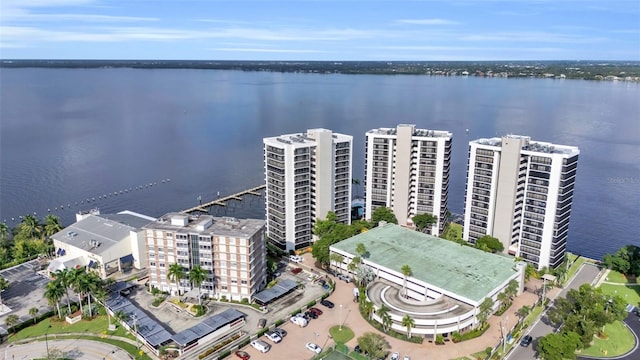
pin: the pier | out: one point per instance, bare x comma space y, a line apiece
222, 201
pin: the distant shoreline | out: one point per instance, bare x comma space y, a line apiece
582, 70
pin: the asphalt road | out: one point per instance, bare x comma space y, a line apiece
72, 349
542, 327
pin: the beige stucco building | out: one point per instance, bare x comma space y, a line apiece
232, 251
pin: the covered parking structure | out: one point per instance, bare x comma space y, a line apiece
144, 327
212, 329
282, 288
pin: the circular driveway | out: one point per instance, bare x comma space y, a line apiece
72, 349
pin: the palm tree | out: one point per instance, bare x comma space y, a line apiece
33, 312
503, 298
361, 250
197, 275
387, 321
31, 226
409, 323
64, 279
383, 312
336, 259
53, 293
406, 271
51, 225
94, 284
11, 321
176, 273
367, 309
4, 232
523, 311
80, 284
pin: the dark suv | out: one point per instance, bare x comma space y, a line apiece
526, 340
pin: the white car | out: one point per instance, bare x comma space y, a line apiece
273, 336
296, 258
406, 357
300, 321
315, 348
260, 345
395, 356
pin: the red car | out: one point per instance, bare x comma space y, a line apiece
296, 270
243, 355
316, 311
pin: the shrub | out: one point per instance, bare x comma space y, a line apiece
244, 301
457, 337
439, 339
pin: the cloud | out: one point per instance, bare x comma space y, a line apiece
427, 22
542, 37
78, 17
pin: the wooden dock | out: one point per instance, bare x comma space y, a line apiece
223, 200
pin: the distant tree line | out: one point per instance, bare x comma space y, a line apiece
29, 238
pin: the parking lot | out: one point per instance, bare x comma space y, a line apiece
26, 290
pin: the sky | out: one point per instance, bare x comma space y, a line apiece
332, 30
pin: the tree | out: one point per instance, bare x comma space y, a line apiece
30, 226
387, 321
364, 275
53, 293
373, 344
176, 273
383, 312
337, 259
503, 298
81, 284
367, 309
11, 321
355, 262
51, 225
361, 250
626, 260
559, 346
330, 231
424, 222
585, 310
490, 244
406, 272
4, 284
512, 289
409, 323
523, 311
383, 214
33, 312
197, 275
64, 279
485, 309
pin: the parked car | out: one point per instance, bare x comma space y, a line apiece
296, 258
299, 320
315, 348
406, 357
243, 355
526, 340
296, 271
321, 282
346, 278
273, 336
262, 323
260, 345
358, 350
311, 314
395, 356
281, 332
316, 310
327, 303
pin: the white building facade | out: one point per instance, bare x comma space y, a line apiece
232, 252
520, 191
407, 170
306, 175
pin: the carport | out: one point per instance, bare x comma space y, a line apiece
209, 330
282, 288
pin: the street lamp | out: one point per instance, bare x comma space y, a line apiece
46, 340
340, 319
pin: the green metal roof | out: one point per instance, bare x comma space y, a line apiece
461, 269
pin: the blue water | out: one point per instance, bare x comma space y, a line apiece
165, 137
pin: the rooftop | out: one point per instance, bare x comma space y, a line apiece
532, 146
207, 224
460, 269
426, 133
303, 139
96, 233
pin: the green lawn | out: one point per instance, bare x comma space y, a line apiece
97, 325
453, 232
334, 355
619, 278
341, 336
619, 341
631, 293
